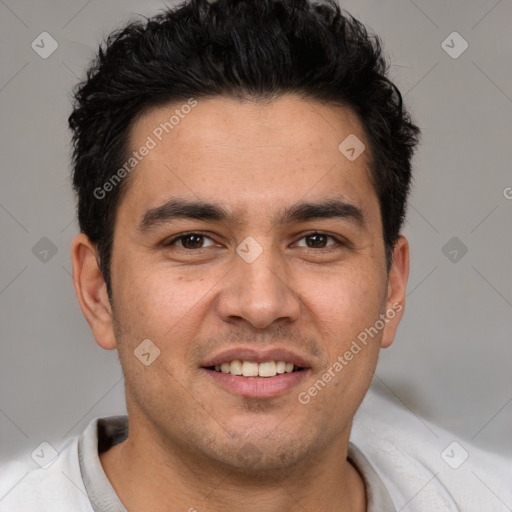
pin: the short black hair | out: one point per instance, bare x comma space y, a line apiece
248, 49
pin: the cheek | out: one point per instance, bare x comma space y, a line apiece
341, 309
159, 303
344, 308
344, 302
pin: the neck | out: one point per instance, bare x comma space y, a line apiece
147, 477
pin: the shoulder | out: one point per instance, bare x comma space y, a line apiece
425, 467
56, 486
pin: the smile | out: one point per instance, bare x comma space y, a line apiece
253, 369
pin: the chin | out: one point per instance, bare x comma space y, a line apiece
258, 459
263, 452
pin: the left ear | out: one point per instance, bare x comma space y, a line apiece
397, 287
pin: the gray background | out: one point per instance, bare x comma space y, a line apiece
451, 362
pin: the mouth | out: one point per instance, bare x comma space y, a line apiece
265, 369
257, 375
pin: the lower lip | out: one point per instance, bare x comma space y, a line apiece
257, 387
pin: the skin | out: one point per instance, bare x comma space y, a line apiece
191, 443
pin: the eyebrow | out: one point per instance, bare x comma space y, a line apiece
300, 212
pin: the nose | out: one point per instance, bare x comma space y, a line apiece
260, 292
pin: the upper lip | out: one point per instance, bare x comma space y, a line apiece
257, 356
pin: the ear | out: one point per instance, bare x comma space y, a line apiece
91, 291
397, 287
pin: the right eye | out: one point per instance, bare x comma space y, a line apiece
191, 241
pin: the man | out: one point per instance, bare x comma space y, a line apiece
242, 170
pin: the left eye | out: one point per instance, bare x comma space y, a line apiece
317, 241
191, 241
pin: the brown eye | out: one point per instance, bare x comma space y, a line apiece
191, 241
316, 240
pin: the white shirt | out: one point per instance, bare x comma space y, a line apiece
407, 466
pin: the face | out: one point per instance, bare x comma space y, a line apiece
246, 241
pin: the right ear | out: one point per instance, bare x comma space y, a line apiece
91, 291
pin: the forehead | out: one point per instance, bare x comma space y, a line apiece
252, 157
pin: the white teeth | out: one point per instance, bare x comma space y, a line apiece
249, 369
267, 369
236, 367
252, 369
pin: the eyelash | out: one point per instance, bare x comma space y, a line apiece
206, 235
